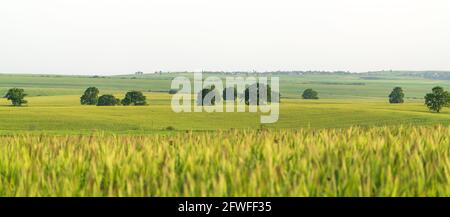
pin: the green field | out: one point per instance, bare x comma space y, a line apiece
64, 115
346, 86
350, 142
346, 100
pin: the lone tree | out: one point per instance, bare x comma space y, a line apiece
134, 98
310, 94
256, 89
229, 93
396, 95
16, 96
207, 96
90, 96
108, 100
437, 99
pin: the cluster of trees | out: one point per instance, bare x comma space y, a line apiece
90, 97
435, 101
210, 95
257, 100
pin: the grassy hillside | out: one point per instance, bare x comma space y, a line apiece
396, 161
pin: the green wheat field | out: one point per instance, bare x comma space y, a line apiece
350, 142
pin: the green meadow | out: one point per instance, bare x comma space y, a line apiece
345, 100
350, 142
64, 115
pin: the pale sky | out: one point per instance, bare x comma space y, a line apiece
124, 36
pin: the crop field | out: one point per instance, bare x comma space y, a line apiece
350, 142
64, 115
329, 86
380, 161
345, 100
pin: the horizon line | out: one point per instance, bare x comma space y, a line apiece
212, 71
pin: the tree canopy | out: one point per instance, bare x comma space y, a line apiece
134, 98
437, 99
310, 94
229, 93
207, 96
396, 95
108, 100
257, 99
16, 95
90, 96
